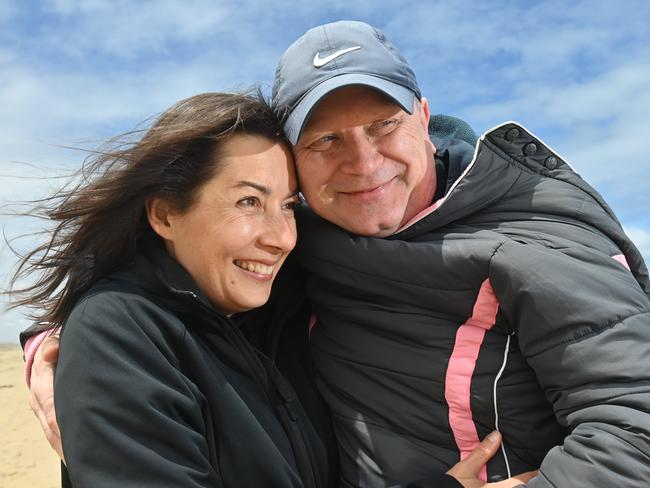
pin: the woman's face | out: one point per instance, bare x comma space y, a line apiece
241, 227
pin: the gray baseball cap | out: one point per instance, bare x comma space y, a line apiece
332, 56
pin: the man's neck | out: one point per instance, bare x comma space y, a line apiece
423, 194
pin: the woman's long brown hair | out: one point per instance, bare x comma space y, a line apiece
99, 218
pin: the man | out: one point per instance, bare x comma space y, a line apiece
457, 289
496, 297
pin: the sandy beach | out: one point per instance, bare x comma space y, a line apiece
26, 460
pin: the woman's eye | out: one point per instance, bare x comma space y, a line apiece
293, 204
249, 202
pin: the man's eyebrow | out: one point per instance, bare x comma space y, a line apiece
261, 188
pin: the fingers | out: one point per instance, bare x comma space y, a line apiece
514, 482
47, 419
43, 408
50, 349
485, 450
525, 477
472, 464
41, 393
466, 471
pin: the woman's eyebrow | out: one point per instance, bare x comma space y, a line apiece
261, 188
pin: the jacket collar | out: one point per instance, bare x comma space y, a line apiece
154, 270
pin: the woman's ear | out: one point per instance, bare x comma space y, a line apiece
158, 214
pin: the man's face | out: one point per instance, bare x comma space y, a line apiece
364, 163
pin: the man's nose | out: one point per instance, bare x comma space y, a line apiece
361, 154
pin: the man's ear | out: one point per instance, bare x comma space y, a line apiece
158, 214
425, 114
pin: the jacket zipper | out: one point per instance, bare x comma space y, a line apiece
289, 417
300, 448
265, 375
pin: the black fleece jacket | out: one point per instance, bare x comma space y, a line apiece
154, 387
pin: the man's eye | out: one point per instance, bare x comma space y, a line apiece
249, 202
383, 126
323, 142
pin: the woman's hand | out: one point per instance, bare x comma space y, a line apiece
41, 392
466, 471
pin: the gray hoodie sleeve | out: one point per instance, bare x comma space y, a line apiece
583, 325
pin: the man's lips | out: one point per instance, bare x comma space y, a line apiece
369, 193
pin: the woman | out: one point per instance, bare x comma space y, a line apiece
152, 258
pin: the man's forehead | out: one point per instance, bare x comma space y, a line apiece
349, 102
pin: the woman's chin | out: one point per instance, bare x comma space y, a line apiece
251, 301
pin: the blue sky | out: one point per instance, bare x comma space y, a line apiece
75, 72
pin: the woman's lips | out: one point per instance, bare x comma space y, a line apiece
255, 269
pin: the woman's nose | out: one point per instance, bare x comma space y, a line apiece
280, 233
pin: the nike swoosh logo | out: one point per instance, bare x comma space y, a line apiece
318, 61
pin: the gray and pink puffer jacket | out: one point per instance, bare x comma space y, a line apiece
516, 302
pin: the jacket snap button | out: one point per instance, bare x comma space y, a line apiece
551, 162
530, 149
512, 134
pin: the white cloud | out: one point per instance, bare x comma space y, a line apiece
64, 107
618, 89
599, 123
474, 50
11, 323
569, 71
125, 28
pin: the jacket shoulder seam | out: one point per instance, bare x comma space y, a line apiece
176, 326
594, 331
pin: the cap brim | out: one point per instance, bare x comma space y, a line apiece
295, 122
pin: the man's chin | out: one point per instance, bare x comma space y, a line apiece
369, 228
